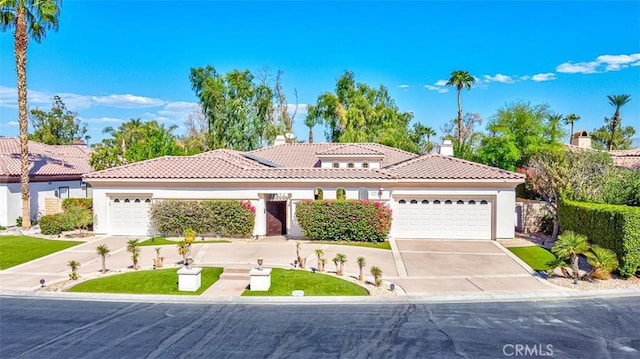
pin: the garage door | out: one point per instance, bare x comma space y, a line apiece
129, 216
442, 218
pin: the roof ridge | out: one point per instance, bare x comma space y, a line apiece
477, 164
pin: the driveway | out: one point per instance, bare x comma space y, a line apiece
462, 266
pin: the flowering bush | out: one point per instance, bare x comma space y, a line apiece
248, 205
352, 220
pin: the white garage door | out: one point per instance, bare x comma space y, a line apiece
129, 216
442, 218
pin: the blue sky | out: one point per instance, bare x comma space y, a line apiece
115, 60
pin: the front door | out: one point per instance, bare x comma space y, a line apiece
276, 218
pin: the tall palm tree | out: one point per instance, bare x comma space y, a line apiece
570, 245
429, 132
30, 19
311, 120
616, 101
361, 263
102, 251
570, 120
460, 79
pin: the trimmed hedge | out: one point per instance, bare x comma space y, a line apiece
86, 203
223, 217
614, 227
55, 224
352, 220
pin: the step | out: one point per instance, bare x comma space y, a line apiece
238, 268
235, 276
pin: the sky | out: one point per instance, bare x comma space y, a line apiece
115, 60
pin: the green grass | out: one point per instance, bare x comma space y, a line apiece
379, 245
284, 281
161, 241
535, 256
159, 281
16, 250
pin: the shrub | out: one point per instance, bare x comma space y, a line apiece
352, 220
2, 228
613, 227
341, 193
86, 203
223, 217
77, 217
51, 225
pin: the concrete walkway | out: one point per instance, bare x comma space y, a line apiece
420, 267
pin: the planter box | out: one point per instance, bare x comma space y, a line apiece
260, 279
189, 279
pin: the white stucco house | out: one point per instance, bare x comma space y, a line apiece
431, 196
55, 172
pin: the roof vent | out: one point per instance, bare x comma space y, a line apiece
447, 148
280, 140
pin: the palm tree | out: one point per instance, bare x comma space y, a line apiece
102, 251
570, 120
340, 259
320, 255
429, 132
183, 250
361, 263
460, 79
311, 120
299, 257
603, 261
570, 245
616, 101
558, 263
133, 247
29, 19
376, 272
74, 264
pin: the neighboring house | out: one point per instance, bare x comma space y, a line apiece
432, 196
55, 172
620, 158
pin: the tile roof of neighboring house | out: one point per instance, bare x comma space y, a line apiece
350, 149
46, 160
305, 154
626, 158
226, 164
440, 167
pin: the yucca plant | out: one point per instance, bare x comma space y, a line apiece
340, 260
133, 247
376, 272
298, 256
320, 255
103, 251
603, 261
558, 263
183, 250
74, 265
568, 246
158, 258
361, 263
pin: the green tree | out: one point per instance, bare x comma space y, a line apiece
103, 251
469, 138
376, 272
311, 120
603, 261
58, 126
74, 265
29, 19
320, 256
421, 136
133, 247
340, 259
356, 112
568, 246
239, 112
616, 101
571, 119
362, 262
622, 136
460, 79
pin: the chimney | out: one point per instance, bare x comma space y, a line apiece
447, 148
581, 139
78, 142
280, 140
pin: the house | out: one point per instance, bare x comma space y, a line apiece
621, 158
55, 173
431, 196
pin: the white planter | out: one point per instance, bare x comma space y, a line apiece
260, 279
189, 279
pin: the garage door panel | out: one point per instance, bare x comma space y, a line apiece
129, 215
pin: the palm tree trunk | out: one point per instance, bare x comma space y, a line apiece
459, 116
571, 134
310, 135
104, 265
20, 51
361, 276
614, 125
574, 265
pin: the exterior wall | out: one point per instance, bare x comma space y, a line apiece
4, 206
504, 218
39, 191
530, 214
327, 163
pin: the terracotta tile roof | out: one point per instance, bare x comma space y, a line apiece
444, 167
350, 149
306, 154
626, 158
46, 160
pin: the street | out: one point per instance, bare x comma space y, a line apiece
588, 328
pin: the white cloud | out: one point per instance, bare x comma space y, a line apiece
403, 86
580, 67
101, 120
543, 77
12, 123
524, 78
441, 83
436, 88
505, 79
602, 63
127, 101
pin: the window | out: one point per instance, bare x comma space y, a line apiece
336, 165
437, 201
483, 202
460, 202
472, 202
413, 201
424, 201
448, 202
365, 164
402, 201
363, 194
126, 200
63, 192
147, 200
318, 194
350, 165
116, 201
137, 200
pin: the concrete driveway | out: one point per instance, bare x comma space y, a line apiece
462, 266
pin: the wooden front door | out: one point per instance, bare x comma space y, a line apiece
276, 218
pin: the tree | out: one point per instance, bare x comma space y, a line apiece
183, 250
340, 259
460, 79
74, 265
30, 19
603, 261
311, 120
376, 272
570, 120
469, 139
622, 136
301, 260
362, 262
356, 112
58, 126
103, 251
553, 131
421, 135
616, 101
570, 245
320, 256
133, 247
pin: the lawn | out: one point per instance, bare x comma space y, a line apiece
16, 250
284, 281
158, 281
161, 241
535, 256
379, 245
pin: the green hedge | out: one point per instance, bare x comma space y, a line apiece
351, 220
224, 218
86, 203
56, 224
611, 226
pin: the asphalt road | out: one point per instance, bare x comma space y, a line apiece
45, 328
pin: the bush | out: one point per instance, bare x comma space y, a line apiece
352, 220
51, 224
225, 218
610, 226
78, 217
85, 203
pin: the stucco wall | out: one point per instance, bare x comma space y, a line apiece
39, 191
504, 214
